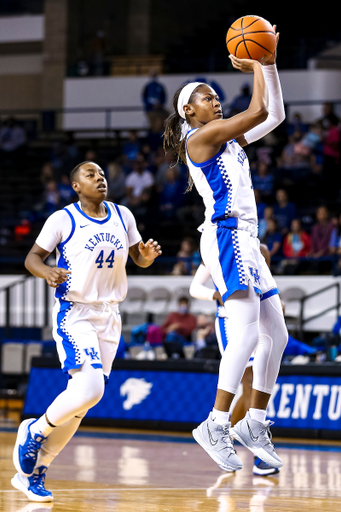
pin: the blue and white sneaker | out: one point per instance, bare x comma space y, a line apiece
26, 448
34, 485
261, 468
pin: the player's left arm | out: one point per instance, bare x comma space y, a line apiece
143, 254
276, 111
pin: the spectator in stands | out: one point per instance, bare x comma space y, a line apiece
139, 184
12, 140
310, 140
263, 222
284, 211
63, 155
273, 238
154, 100
172, 193
188, 258
164, 162
91, 155
58, 158
291, 161
46, 173
335, 247
241, 102
321, 233
178, 327
116, 181
154, 93
328, 113
331, 158
297, 124
297, 242
66, 192
149, 156
261, 205
52, 198
154, 138
205, 338
131, 148
296, 245
263, 179
335, 238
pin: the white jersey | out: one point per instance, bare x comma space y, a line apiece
224, 183
94, 250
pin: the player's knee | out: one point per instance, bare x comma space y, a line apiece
89, 388
95, 390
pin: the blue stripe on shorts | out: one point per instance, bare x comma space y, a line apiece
270, 293
230, 261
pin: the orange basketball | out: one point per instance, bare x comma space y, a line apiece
251, 37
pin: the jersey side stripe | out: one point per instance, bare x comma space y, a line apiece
73, 224
120, 216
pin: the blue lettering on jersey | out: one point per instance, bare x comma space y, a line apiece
103, 237
241, 156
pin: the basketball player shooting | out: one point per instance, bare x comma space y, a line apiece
212, 147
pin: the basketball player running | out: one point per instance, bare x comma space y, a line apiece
200, 290
93, 239
218, 166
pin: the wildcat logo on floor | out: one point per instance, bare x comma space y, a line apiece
136, 391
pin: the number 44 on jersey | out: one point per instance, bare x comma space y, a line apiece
109, 260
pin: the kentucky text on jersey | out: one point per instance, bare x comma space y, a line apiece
103, 237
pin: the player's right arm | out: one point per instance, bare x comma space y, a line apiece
34, 263
217, 132
56, 229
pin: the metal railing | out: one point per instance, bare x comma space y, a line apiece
48, 118
25, 303
303, 321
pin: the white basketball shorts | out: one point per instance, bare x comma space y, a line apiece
233, 259
86, 331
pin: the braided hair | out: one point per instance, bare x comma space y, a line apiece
172, 141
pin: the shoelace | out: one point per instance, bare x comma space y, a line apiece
38, 481
32, 447
265, 430
226, 437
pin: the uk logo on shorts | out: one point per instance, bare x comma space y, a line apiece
92, 353
255, 274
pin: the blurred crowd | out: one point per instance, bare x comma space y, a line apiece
295, 172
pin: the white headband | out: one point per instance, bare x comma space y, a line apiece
185, 95
183, 100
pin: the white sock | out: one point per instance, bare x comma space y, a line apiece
257, 414
41, 427
220, 417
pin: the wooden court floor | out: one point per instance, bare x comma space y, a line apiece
125, 471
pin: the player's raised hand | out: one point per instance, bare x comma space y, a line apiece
243, 65
150, 250
271, 59
56, 276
